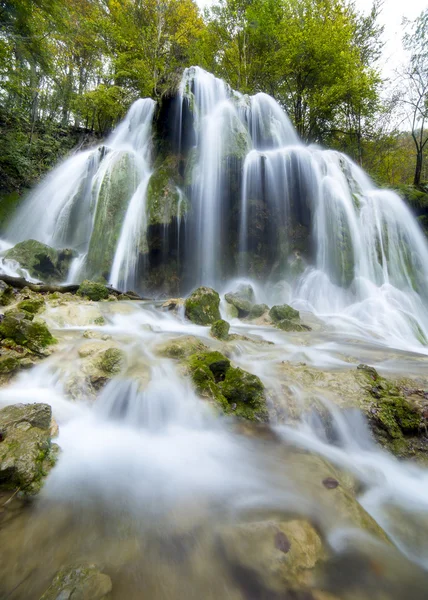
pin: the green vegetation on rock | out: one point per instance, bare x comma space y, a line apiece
236, 391
31, 334
93, 290
242, 299
6, 294
32, 305
284, 311
202, 306
165, 201
258, 310
220, 329
181, 347
41, 261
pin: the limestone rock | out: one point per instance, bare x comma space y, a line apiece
258, 310
6, 294
42, 261
220, 329
93, 290
181, 347
33, 334
242, 299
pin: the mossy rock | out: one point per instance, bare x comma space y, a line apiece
8, 364
6, 294
42, 261
32, 305
93, 290
165, 200
393, 418
181, 347
242, 299
234, 390
220, 329
26, 452
202, 306
80, 581
288, 325
112, 361
258, 310
284, 311
31, 334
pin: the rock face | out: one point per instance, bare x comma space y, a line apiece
79, 582
202, 306
258, 310
26, 452
42, 261
234, 390
6, 294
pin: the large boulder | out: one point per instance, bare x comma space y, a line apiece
234, 390
202, 306
6, 294
287, 318
26, 451
79, 582
93, 290
220, 330
42, 261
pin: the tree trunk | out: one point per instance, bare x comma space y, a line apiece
418, 169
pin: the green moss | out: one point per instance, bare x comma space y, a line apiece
234, 390
32, 306
164, 199
284, 311
99, 321
242, 305
202, 306
220, 329
92, 290
258, 310
181, 347
112, 360
288, 325
41, 260
6, 294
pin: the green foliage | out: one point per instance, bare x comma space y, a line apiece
19, 327
202, 306
92, 290
33, 305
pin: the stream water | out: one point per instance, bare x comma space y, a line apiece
151, 483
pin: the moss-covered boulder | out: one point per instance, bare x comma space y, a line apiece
93, 290
32, 334
258, 310
284, 311
6, 294
181, 347
112, 361
242, 299
8, 364
165, 200
80, 582
26, 452
32, 305
42, 261
287, 318
220, 329
202, 306
234, 390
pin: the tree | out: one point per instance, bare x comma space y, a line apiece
415, 97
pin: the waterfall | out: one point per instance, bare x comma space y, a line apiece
221, 188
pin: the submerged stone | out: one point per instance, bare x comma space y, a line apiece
26, 452
79, 582
258, 310
112, 360
220, 329
181, 347
93, 290
202, 306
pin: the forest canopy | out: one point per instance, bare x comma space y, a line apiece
68, 66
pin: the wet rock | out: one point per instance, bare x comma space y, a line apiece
42, 261
202, 306
287, 325
258, 310
234, 390
330, 483
28, 333
220, 329
181, 347
93, 290
274, 555
242, 299
287, 318
26, 452
79, 582
8, 364
6, 294
173, 304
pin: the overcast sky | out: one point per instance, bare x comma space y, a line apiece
392, 14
